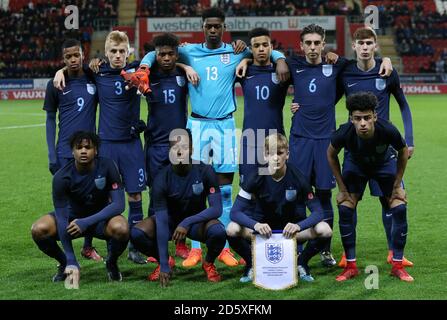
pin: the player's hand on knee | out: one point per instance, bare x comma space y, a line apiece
164, 279
192, 75
73, 277
398, 195
331, 58
344, 198
294, 107
238, 46
290, 230
94, 64
179, 233
74, 229
263, 229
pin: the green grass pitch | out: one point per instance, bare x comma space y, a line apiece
25, 189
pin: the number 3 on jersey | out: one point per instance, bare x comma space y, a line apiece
118, 88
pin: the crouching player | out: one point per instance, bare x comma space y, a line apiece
88, 200
276, 196
180, 191
370, 144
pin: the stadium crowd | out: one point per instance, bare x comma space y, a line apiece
32, 31
183, 8
32, 34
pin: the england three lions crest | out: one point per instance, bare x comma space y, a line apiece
327, 70
225, 58
180, 80
274, 252
380, 84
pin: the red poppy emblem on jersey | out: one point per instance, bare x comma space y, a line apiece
310, 196
115, 186
212, 190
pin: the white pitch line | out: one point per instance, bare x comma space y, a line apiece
20, 127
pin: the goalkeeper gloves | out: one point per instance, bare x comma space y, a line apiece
138, 79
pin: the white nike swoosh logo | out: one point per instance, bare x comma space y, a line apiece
299, 71
403, 235
102, 74
197, 59
351, 84
250, 77
154, 84
64, 93
388, 215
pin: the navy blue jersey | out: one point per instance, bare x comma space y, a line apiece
76, 105
89, 193
184, 196
119, 108
369, 153
355, 80
277, 201
167, 105
264, 98
315, 89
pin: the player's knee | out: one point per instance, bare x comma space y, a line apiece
120, 230
323, 230
40, 230
349, 204
134, 197
384, 201
215, 229
233, 229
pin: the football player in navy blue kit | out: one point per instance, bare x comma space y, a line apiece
119, 119
264, 97
362, 75
76, 108
180, 192
88, 199
315, 84
276, 198
369, 142
168, 110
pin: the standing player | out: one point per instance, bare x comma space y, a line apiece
119, 115
180, 192
276, 197
168, 110
88, 200
369, 143
77, 111
264, 97
315, 92
362, 75
213, 103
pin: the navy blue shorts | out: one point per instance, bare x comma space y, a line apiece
310, 157
356, 178
157, 157
129, 157
97, 230
250, 159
